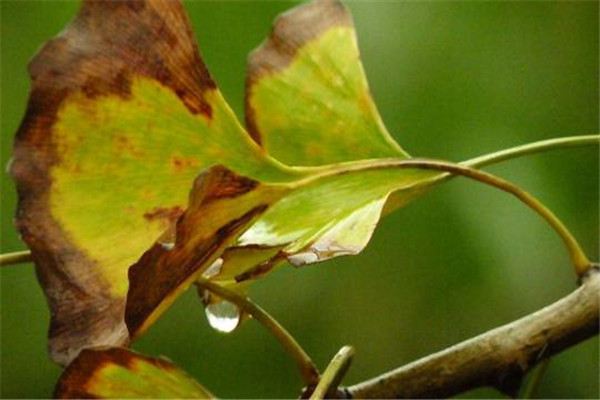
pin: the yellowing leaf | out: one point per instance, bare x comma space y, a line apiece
123, 120
122, 117
117, 373
307, 97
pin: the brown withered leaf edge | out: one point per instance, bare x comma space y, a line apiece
107, 44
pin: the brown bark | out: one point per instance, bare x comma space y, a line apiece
498, 358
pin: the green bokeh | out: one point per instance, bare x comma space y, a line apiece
452, 80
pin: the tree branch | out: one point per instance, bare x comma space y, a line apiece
498, 358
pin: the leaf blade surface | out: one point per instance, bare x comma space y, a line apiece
119, 373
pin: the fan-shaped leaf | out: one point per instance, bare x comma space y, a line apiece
122, 118
307, 97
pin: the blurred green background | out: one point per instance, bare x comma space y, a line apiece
452, 80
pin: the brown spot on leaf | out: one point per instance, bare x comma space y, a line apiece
124, 145
183, 164
169, 214
224, 183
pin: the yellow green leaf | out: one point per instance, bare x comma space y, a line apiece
307, 97
122, 117
117, 373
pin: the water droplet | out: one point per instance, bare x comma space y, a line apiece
214, 269
223, 316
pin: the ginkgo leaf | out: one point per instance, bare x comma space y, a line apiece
122, 117
117, 373
307, 97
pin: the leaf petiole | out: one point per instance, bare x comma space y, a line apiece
580, 261
530, 390
16, 257
333, 374
531, 148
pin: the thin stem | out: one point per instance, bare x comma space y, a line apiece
308, 370
580, 261
531, 148
536, 378
15, 257
333, 374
